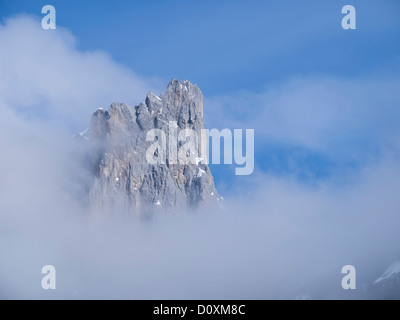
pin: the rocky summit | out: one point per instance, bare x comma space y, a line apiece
123, 181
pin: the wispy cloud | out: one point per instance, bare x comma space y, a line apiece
44, 76
344, 118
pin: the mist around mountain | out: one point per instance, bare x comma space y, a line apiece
148, 158
277, 237
274, 239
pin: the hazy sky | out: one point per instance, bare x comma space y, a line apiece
324, 103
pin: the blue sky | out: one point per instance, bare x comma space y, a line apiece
243, 53
230, 45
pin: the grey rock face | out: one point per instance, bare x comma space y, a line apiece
124, 181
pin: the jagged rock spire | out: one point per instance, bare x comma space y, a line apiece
124, 181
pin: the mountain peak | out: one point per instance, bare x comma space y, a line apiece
124, 180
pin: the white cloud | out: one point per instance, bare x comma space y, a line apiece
44, 75
280, 242
336, 116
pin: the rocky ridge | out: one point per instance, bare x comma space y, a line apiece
123, 179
